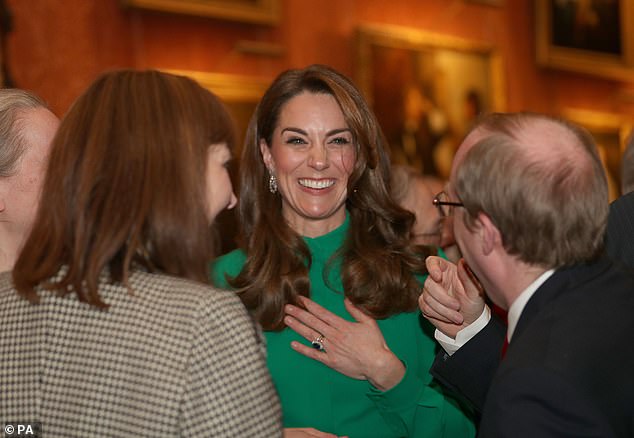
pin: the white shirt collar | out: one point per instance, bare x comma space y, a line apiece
515, 311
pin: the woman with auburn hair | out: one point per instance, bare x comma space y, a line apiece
326, 267
108, 327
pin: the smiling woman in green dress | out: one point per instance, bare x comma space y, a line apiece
317, 222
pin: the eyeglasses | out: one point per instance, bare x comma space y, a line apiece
444, 205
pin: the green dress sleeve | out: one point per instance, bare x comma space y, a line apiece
418, 408
418, 405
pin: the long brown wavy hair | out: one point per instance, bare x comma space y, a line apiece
125, 186
378, 260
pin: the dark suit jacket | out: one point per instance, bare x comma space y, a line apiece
569, 370
619, 240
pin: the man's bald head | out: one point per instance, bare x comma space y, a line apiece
540, 180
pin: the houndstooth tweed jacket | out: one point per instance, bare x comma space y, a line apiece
172, 358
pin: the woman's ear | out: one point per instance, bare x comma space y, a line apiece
265, 151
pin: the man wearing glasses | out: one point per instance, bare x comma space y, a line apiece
529, 202
415, 192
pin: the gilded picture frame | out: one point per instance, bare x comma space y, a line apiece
611, 132
248, 11
426, 89
594, 37
495, 3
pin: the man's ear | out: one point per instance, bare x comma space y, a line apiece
265, 151
489, 233
2, 205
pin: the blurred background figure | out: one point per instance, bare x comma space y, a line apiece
415, 192
107, 326
26, 130
613, 185
425, 125
620, 229
627, 166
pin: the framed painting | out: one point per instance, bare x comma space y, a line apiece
241, 94
250, 11
425, 90
498, 3
610, 132
588, 36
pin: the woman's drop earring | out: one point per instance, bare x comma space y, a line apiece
272, 183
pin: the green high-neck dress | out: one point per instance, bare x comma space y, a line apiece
313, 395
